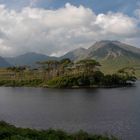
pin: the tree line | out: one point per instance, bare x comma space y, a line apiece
86, 72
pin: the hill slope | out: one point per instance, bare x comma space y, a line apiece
76, 54
3, 62
113, 55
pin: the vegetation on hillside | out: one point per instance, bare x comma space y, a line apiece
10, 132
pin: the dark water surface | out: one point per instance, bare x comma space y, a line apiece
114, 111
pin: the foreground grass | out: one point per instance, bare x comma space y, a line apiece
10, 132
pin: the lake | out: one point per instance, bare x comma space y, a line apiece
114, 111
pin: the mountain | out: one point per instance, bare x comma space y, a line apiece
113, 55
28, 59
112, 49
3, 62
103, 50
76, 54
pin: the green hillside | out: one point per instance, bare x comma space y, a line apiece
112, 65
113, 55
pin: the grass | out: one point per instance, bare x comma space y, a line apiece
10, 132
110, 66
20, 83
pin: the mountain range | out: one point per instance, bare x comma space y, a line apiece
28, 59
4, 63
104, 50
111, 54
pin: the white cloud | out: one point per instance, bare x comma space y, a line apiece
33, 2
118, 24
137, 13
54, 32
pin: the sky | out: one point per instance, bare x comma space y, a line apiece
54, 27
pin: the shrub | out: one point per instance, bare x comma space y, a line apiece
9, 132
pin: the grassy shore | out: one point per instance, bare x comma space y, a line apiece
59, 84
22, 83
10, 132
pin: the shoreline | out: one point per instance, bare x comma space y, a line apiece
11, 132
39, 83
74, 87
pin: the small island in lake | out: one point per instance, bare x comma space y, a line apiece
66, 74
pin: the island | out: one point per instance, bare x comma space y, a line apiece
84, 73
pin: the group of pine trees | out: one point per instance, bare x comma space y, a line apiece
83, 73
66, 73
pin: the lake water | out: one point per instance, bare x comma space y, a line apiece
114, 111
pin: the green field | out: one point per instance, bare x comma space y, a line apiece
110, 66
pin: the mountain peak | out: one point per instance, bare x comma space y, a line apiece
108, 41
104, 49
114, 45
